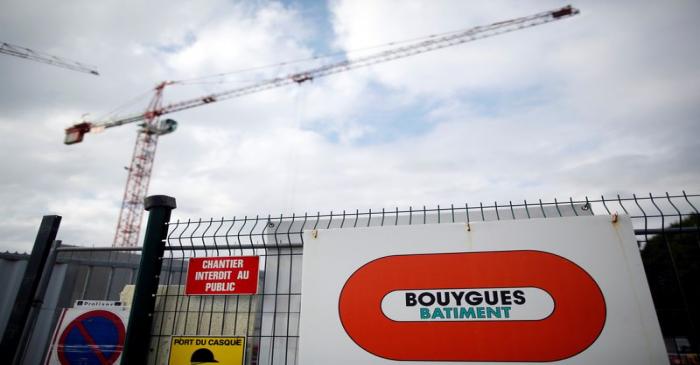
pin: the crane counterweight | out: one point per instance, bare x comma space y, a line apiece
76, 133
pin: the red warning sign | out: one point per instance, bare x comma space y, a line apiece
233, 275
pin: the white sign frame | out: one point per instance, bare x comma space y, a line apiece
604, 249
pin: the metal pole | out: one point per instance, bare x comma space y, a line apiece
138, 333
30, 282
38, 301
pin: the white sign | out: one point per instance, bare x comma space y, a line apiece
571, 290
97, 303
483, 304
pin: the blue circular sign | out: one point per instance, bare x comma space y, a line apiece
93, 338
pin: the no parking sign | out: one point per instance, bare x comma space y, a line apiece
89, 335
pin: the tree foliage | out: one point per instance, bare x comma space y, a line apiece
672, 265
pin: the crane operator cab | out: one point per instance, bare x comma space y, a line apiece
165, 127
161, 128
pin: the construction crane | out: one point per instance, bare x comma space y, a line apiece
152, 127
29, 54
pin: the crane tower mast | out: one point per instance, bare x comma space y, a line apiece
152, 127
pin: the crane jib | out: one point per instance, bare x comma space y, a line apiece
428, 45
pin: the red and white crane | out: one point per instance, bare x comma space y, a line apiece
152, 127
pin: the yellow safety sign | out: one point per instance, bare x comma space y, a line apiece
194, 350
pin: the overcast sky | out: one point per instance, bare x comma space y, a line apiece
603, 103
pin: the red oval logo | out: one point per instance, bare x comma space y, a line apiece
446, 292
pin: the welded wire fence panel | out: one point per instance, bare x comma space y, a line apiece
666, 227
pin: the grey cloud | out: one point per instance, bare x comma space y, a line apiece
616, 113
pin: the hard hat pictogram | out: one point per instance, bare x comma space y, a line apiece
202, 356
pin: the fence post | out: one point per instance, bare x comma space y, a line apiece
30, 282
38, 301
138, 333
